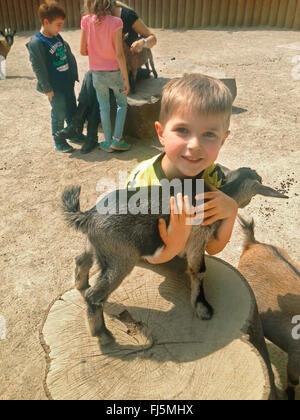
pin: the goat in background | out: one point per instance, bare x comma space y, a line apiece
275, 280
5, 47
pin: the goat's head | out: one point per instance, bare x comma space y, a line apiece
244, 183
9, 35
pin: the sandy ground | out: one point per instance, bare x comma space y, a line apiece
37, 249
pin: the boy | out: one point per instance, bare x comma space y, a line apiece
88, 109
55, 68
193, 126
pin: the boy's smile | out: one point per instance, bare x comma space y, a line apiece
192, 143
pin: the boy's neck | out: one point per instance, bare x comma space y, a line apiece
44, 32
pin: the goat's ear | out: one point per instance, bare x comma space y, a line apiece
268, 191
2, 34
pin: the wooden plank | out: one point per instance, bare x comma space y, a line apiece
265, 12
198, 13
181, 13
11, 14
240, 12
30, 10
274, 12
19, 21
290, 14
76, 13
173, 13
166, 14
296, 24
158, 16
1, 18
145, 16
215, 12
6, 21
224, 12
232, 12
249, 12
257, 13
206, 13
189, 13
151, 13
282, 11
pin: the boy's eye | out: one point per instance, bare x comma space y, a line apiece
209, 134
182, 130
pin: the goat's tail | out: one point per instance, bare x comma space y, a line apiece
71, 209
248, 228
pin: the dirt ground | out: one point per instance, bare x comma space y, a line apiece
37, 249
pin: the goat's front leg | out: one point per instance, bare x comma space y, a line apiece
196, 271
152, 66
293, 375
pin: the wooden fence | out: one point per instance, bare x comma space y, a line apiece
22, 14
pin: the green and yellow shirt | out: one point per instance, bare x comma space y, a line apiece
149, 172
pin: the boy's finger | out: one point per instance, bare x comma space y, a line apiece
162, 227
178, 204
188, 208
210, 220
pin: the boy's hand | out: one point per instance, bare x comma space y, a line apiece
50, 95
220, 206
176, 235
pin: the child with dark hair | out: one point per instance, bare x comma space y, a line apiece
55, 68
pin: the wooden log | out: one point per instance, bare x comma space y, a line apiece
224, 10
265, 13
198, 13
296, 24
162, 351
274, 12
232, 12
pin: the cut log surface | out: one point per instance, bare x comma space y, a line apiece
162, 351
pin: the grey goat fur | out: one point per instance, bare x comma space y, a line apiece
118, 241
275, 280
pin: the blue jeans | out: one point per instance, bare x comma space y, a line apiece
103, 81
63, 107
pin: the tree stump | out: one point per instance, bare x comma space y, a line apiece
162, 351
144, 107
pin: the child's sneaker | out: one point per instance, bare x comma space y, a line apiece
63, 147
120, 145
106, 147
78, 139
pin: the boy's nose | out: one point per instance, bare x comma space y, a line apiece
194, 143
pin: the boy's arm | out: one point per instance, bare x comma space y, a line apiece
219, 207
38, 62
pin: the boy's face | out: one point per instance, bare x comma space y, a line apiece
53, 28
192, 143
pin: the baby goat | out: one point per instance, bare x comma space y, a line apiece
275, 280
119, 240
135, 60
5, 47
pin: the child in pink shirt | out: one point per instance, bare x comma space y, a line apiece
101, 40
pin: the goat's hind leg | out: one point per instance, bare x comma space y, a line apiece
293, 375
84, 262
197, 272
152, 67
108, 280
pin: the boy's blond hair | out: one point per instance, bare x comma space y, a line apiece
196, 93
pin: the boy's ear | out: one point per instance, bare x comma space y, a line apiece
225, 136
159, 131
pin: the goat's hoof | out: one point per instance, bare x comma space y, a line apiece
204, 311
